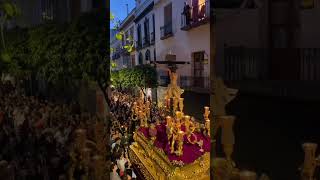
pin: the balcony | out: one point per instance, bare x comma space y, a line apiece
195, 16
166, 31
152, 38
146, 41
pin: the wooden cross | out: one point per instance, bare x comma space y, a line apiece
171, 62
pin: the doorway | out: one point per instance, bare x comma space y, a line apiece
198, 70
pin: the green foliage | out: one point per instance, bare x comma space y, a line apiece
111, 16
10, 57
9, 9
142, 76
60, 52
119, 36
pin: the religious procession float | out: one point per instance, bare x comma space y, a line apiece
175, 146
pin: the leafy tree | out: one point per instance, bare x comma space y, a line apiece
9, 11
142, 77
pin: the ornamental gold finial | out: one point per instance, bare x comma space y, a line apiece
310, 161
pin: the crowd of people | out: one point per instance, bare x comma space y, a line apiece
35, 135
123, 126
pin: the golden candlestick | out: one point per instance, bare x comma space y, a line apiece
168, 119
178, 115
207, 126
180, 143
169, 128
168, 103
140, 113
187, 122
310, 160
181, 104
148, 112
178, 125
206, 112
175, 104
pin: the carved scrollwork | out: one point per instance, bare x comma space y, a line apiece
155, 164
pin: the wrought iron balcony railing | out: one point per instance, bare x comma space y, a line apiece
193, 16
166, 31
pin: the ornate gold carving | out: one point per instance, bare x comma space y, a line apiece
155, 164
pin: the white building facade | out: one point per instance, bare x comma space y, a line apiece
144, 32
127, 27
188, 40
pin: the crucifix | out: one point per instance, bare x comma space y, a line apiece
174, 91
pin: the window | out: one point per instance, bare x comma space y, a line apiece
147, 55
146, 29
126, 36
139, 34
140, 58
131, 32
153, 23
168, 14
166, 29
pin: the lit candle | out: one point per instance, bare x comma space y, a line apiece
178, 115
181, 104
168, 102
168, 118
187, 122
206, 110
181, 133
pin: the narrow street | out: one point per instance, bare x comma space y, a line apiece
270, 131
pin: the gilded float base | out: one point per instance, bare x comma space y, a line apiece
155, 165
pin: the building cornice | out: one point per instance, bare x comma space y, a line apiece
130, 18
144, 12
